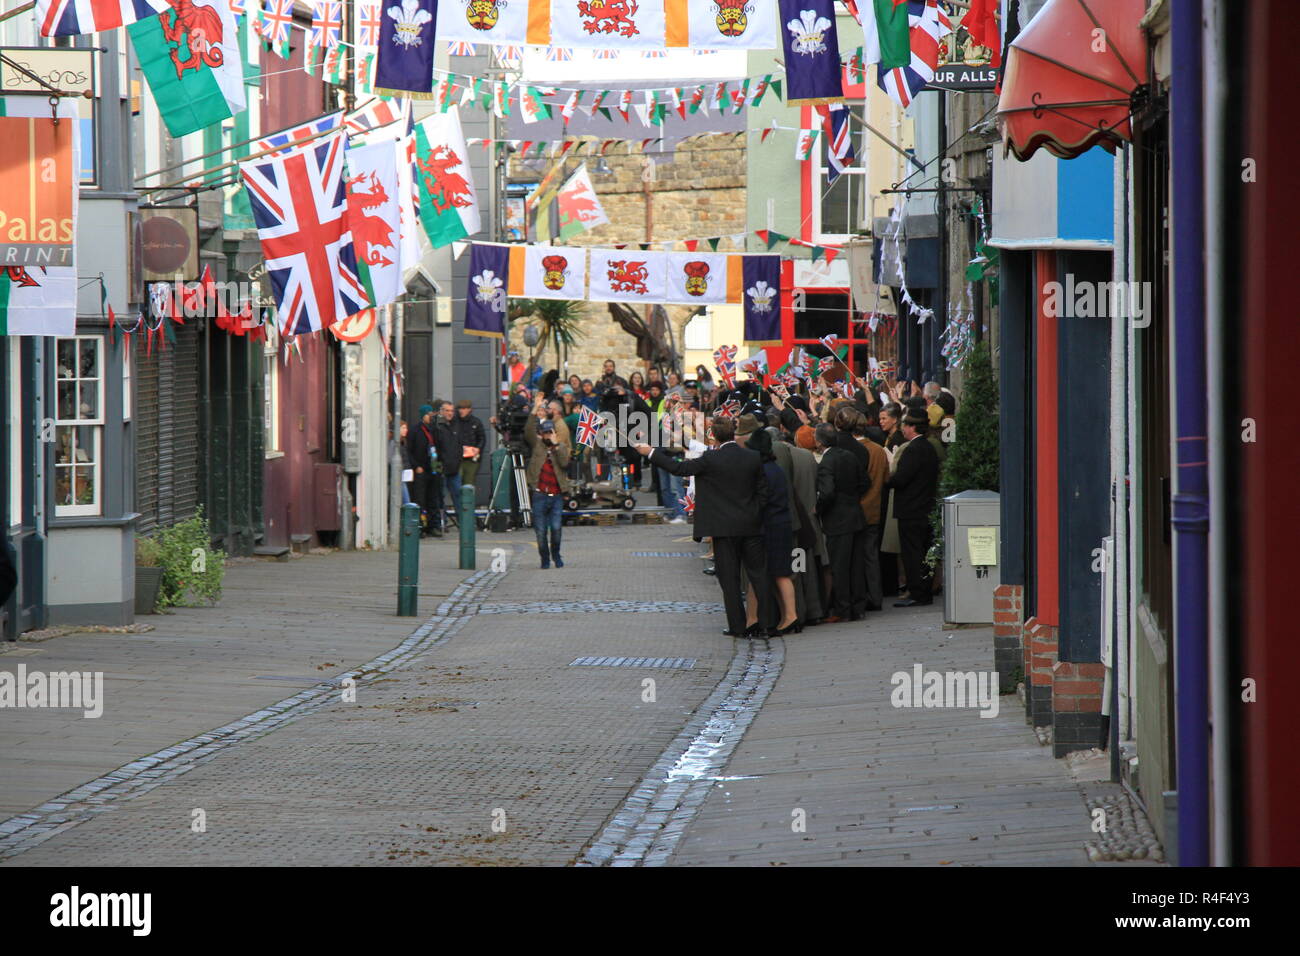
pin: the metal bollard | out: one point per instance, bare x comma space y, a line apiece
408, 562
467, 527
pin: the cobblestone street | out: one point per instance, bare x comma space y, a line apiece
515, 726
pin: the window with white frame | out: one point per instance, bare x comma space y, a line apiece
270, 396
78, 425
842, 208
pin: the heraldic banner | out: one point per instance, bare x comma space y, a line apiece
812, 52
405, 62
762, 282
485, 300
621, 275
548, 272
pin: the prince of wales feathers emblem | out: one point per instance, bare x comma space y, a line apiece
760, 295
409, 20
808, 33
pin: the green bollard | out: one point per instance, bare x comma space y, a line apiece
408, 562
467, 527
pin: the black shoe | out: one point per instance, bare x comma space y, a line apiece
910, 602
755, 630
711, 571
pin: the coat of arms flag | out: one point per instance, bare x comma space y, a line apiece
406, 48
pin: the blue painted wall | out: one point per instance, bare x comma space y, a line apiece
1085, 190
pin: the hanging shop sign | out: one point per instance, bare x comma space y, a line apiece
169, 246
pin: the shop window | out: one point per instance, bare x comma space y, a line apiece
842, 209
78, 425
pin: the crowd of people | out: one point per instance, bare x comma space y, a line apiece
816, 505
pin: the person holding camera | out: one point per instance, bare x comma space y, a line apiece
548, 481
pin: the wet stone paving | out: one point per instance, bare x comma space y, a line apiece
536, 718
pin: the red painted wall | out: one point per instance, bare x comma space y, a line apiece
291, 96
1269, 518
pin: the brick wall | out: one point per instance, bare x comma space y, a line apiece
1076, 706
1008, 634
696, 191
1040, 657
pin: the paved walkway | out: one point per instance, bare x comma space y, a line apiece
515, 725
831, 773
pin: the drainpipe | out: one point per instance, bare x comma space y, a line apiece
1117, 578
1221, 699
1190, 452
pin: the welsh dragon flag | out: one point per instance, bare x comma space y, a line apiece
192, 63
448, 204
577, 205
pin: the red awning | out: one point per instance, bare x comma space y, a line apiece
1071, 77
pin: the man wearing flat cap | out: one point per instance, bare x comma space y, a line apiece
915, 480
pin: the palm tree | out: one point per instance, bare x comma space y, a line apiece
560, 326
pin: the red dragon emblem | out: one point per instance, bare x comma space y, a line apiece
196, 30
696, 283
20, 276
369, 233
609, 16
447, 189
577, 207
553, 272
628, 276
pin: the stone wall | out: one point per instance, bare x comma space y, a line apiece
695, 191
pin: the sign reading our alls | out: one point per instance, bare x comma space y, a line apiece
38, 191
964, 76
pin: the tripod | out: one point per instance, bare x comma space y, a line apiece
521, 486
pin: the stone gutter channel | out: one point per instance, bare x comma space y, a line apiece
645, 831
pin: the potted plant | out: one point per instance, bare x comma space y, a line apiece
148, 575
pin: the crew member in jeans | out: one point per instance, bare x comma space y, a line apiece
547, 480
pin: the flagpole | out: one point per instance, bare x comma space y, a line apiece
16, 10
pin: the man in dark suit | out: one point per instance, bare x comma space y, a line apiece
915, 480
730, 495
841, 483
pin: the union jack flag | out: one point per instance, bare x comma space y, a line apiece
236, 7
839, 145
65, 18
790, 380
728, 409
287, 138
277, 16
826, 364
724, 353
300, 208
558, 53
326, 24
368, 25
460, 48
589, 423
377, 113
927, 23
727, 372
688, 503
